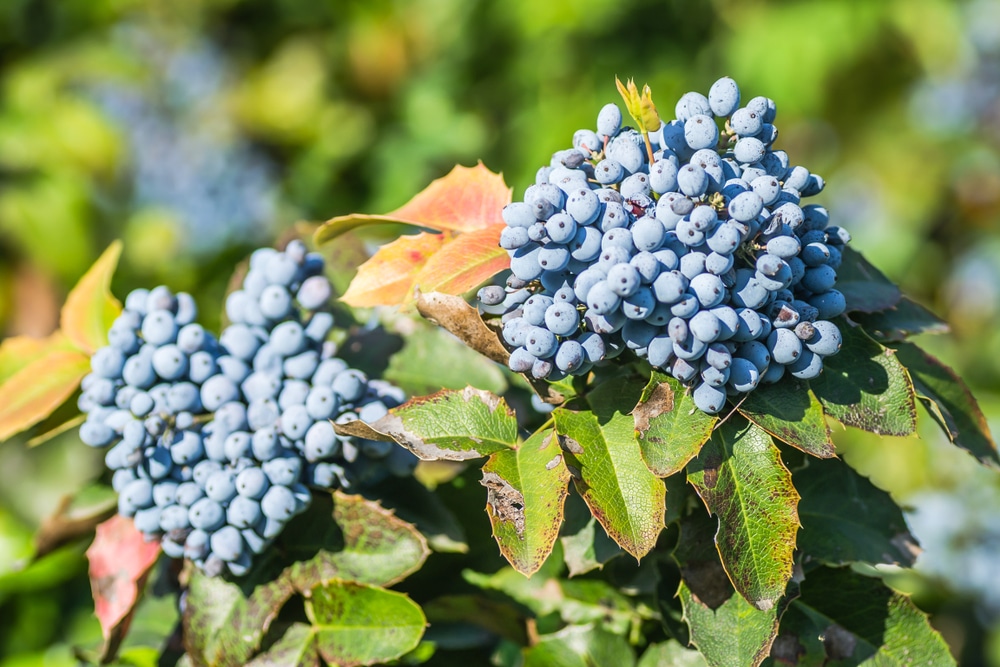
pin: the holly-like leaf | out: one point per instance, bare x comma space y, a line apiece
450, 425
734, 633
950, 402
670, 429
671, 654
389, 277
32, 393
861, 622
865, 386
120, 560
90, 307
907, 318
526, 490
846, 518
606, 463
865, 288
789, 411
414, 503
224, 623
463, 208
740, 477
354, 624
580, 646
295, 647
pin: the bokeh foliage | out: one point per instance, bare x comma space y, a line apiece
310, 110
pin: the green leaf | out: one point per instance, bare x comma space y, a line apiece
418, 370
789, 411
865, 386
740, 477
580, 646
295, 647
224, 622
526, 490
670, 429
671, 654
450, 425
846, 518
863, 622
586, 545
606, 463
733, 633
355, 624
950, 402
500, 619
907, 318
864, 287
364, 542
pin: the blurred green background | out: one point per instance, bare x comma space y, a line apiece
197, 130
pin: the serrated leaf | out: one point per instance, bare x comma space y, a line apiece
789, 411
907, 318
464, 208
417, 368
450, 425
33, 392
586, 545
90, 307
865, 386
846, 518
865, 288
740, 477
623, 495
354, 624
388, 278
580, 646
956, 411
120, 559
224, 622
734, 633
671, 654
670, 429
863, 622
526, 490
295, 648
466, 199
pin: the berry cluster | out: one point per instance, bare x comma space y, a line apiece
688, 246
214, 441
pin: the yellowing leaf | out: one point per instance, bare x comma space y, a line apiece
467, 198
32, 393
19, 351
90, 307
388, 277
464, 207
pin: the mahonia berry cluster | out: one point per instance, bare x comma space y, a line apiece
689, 246
214, 442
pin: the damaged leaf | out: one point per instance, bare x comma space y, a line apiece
789, 411
526, 491
670, 429
451, 425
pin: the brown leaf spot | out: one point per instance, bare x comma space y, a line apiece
570, 445
660, 401
506, 502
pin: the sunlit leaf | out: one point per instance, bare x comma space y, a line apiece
389, 277
670, 429
789, 411
90, 307
32, 393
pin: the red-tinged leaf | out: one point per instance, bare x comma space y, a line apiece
33, 392
120, 558
466, 199
90, 307
388, 277
464, 262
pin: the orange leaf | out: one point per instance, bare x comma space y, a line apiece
466, 199
388, 277
19, 351
33, 392
464, 262
90, 307
120, 558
